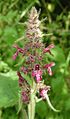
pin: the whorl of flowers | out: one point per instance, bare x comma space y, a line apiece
34, 64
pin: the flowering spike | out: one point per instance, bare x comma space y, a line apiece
33, 64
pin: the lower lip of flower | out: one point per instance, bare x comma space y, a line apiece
38, 78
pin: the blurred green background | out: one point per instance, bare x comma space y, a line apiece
13, 17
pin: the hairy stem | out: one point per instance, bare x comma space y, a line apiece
31, 106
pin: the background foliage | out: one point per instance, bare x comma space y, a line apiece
13, 17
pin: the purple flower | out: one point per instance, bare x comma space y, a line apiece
18, 49
44, 95
37, 67
37, 73
48, 67
17, 52
48, 48
44, 91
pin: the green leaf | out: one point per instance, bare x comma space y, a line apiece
4, 67
10, 35
8, 89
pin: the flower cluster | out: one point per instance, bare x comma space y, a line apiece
34, 64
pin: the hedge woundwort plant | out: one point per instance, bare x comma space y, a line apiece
35, 66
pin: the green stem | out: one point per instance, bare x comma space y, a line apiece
31, 106
50, 105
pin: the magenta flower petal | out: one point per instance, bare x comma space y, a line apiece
48, 48
44, 91
19, 49
38, 78
15, 56
48, 67
33, 73
37, 74
49, 71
